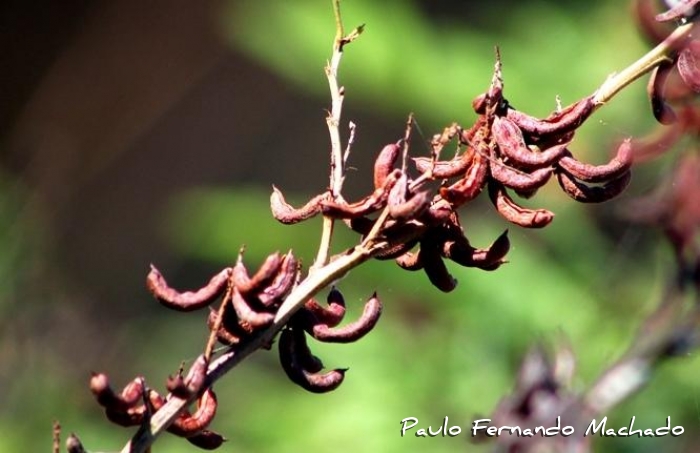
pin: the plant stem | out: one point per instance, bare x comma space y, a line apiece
616, 82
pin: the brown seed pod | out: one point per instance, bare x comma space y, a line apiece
514, 213
560, 122
593, 194
73, 444
384, 164
331, 315
663, 112
434, 267
287, 214
247, 316
470, 186
511, 143
207, 440
282, 283
267, 271
353, 331
189, 300
187, 424
679, 10
197, 374
410, 261
618, 165
291, 342
106, 397
395, 250
689, 65
488, 258
133, 416
516, 179
372, 203
442, 169
411, 208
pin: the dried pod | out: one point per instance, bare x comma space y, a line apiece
663, 112
189, 300
291, 342
187, 424
133, 416
395, 250
372, 203
384, 164
618, 165
445, 168
282, 283
106, 397
514, 213
592, 194
516, 179
559, 122
354, 330
511, 143
267, 271
207, 440
410, 261
287, 214
412, 207
434, 267
247, 315
487, 259
197, 374
470, 186
331, 315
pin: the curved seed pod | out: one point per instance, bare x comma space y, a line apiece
106, 397
618, 165
514, 213
410, 261
251, 318
207, 440
560, 122
228, 330
176, 385
287, 214
267, 271
291, 341
412, 207
384, 164
663, 112
442, 169
187, 425
434, 267
462, 253
470, 186
510, 141
331, 315
353, 331
593, 194
282, 283
133, 416
395, 250
189, 300
194, 381
377, 200
516, 179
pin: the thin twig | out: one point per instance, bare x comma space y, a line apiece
652, 59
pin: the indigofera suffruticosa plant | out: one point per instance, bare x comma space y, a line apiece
411, 216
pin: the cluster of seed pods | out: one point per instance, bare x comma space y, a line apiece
136, 402
249, 302
504, 150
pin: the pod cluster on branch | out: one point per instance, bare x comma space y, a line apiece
505, 150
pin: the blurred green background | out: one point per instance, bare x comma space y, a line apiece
139, 132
